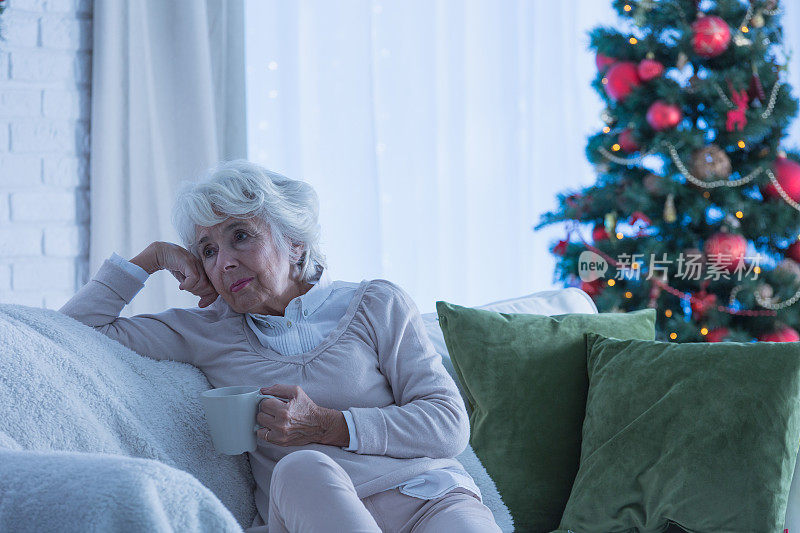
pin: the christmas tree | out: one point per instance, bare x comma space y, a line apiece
695, 210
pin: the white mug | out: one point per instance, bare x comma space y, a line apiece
231, 416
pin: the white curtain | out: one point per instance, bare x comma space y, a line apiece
435, 132
167, 103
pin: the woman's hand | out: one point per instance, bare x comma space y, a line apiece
299, 421
182, 264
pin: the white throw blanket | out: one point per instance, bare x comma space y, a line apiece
64, 386
94, 437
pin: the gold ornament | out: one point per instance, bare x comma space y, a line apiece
670, 215
610, 223
650, 55
694, 83
681, 61
710, 163
758, 20
763, 152
607, 117
654, 184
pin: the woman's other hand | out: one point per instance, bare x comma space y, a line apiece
299, 421
186, 268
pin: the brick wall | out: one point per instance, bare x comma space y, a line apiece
45, 89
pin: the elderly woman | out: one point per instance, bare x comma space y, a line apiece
367, 436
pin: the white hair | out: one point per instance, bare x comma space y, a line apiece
242, 189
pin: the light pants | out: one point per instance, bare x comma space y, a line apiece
311, 493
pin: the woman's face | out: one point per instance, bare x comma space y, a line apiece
244, 266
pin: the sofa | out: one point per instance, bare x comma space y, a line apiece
94, 437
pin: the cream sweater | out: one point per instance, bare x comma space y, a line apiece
378, 363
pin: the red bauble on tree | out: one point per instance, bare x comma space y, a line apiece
621, 80
782, 334
649, 69
592, 288
599, 233
627, 141
727, 248
663, 116
701, 303
603, 62
717, 335
560, 248
710, 36
793, 251
787, 173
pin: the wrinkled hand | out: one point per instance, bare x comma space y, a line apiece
296, 422
188, 270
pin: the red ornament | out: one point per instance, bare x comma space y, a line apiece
736, 117
782, 334
727, 248
793, 251
592, 288
787, 172
756, 89
717, 335
711, 36
560, 248
603, 62
626, 141
599, 233
701, 303
663, 116
649, 69
637, 216
621, 80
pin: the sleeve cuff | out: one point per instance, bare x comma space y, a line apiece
134, 270
119, 280
374, 440
351, 427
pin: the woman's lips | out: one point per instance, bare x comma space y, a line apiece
240, 285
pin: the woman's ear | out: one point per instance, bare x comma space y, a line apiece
296, 252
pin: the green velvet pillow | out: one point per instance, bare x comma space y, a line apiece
703, 435
525, 379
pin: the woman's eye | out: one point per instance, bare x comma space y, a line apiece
243, 234
206, 252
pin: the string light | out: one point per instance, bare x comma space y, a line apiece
745, 29
627, 7
629, 294
740, 144
757, 270
633, 40
635, 265
704, 331
615, 147
620, 236
604, 80
668, 313
606, 129
739, 214
706, 194
673, 335
611, 282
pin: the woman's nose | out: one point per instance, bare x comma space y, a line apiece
226, 259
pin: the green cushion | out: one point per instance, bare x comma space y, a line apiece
525, 379
704, 435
